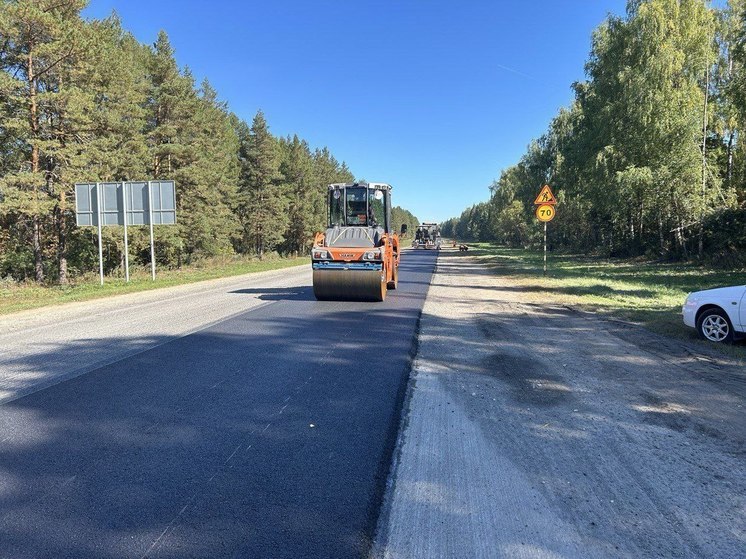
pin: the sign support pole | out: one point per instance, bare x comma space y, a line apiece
126, 242
98, 222
545, 248
150, 221
129, 206
545, 213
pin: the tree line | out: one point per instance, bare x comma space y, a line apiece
648, 158
84, 101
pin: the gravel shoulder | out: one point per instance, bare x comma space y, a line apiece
42, 347
538, 431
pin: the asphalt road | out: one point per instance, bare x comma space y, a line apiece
42, 347
266, 434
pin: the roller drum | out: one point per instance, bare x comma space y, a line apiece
356, 285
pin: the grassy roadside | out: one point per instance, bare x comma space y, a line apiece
639, 291
17, 297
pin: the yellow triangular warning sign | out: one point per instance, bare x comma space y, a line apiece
545, 196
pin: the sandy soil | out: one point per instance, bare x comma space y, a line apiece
536, 431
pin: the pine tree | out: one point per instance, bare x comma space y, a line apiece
207, 175
262, 204
303, 195
171, 101
100, 125
83, 101
400, 216
169, 107
43, 42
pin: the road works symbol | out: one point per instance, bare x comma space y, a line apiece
545, 196
545, 213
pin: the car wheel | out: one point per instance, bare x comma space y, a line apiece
715, 326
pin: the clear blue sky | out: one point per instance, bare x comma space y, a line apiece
435, 97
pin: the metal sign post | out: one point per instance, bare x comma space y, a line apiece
100, 225
545, 213
129, 209
545, 248
126, 242
150, 220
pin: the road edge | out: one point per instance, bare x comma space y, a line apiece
381, 513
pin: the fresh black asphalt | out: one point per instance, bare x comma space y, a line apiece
267, 435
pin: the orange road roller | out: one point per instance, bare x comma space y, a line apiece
357, 257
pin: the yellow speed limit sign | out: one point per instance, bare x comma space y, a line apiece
545, 212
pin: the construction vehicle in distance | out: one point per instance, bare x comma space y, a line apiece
357, 257
427, 236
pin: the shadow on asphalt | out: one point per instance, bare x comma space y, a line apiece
266, 435
304, 293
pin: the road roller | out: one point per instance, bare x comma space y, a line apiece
357, 257
427, 236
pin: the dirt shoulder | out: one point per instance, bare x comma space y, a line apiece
535, 430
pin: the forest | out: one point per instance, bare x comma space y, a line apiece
648, 159
83, 101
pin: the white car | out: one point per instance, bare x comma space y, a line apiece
719, 315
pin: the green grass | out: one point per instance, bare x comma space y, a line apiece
640, 291
16, 297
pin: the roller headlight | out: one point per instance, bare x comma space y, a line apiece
372, 255
320, 255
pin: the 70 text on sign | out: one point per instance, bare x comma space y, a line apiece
545, 213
